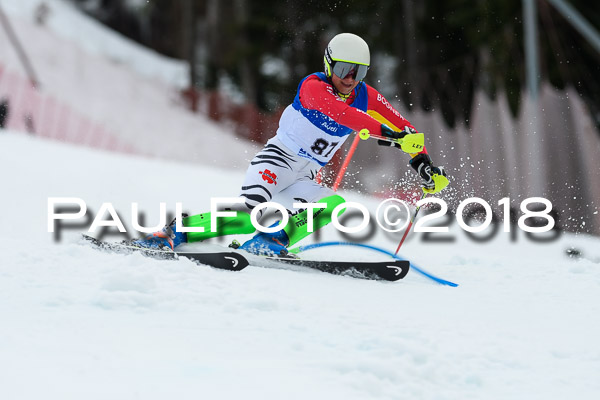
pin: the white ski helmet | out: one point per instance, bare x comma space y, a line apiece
347, 53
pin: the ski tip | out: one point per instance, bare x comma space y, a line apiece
230, 261
393, 271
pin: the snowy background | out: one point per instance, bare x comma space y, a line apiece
78, 324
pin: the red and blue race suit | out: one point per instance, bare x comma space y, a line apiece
319, 121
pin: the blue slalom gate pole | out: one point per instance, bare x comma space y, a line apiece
382, 251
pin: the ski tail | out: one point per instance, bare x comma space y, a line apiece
228, 260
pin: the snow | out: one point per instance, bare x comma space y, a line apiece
79, 324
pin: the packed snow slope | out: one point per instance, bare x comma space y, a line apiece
80, 324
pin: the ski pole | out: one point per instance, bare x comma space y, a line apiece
409, 142
344, 166
412, 220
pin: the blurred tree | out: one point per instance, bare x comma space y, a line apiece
115, 14
432, 54
566, 57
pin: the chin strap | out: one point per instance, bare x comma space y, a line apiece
337, 92
340, 94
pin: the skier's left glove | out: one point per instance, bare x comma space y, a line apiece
408, 140
434, 178
386, 131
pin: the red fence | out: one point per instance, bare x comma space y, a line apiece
28, 109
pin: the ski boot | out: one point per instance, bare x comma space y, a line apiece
165, 239
268, 244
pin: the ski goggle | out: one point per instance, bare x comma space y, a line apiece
342, 69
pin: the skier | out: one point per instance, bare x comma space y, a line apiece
327, 108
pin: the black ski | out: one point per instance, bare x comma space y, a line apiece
228, 260
386, 270
233, 261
